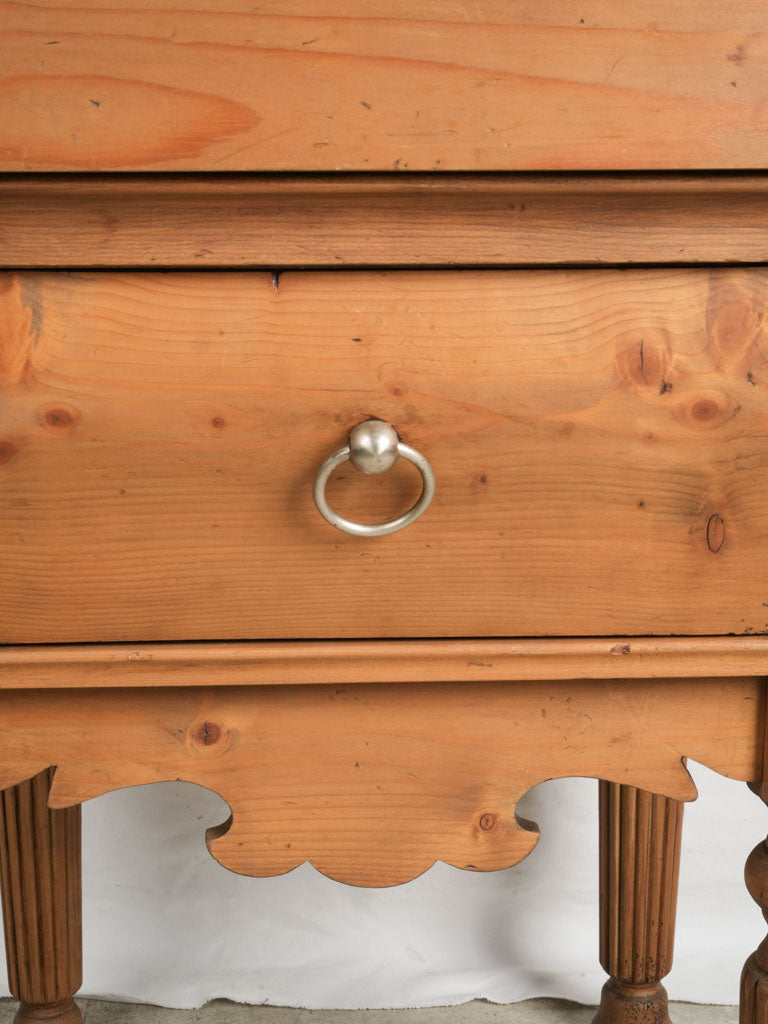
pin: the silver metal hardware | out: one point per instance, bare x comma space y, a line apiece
373, 448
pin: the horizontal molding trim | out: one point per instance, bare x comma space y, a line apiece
378, 661
394, 220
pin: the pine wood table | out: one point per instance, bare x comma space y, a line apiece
228, 237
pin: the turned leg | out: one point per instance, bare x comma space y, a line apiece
41, 893
753, 998
639, 867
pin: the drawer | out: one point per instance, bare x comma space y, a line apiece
599, 440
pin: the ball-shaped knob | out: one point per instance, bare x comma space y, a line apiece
373, 447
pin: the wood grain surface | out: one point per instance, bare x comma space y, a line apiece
392, 85
273, 222
373, 784
285, 663
598, 437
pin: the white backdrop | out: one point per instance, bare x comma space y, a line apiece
165, 924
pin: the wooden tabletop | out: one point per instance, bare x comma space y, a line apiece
393, 85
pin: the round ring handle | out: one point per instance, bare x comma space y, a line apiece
374, 447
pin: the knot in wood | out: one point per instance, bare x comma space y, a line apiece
59, 417
207, 735
7, 451
715, 532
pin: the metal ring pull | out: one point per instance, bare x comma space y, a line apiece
374, 447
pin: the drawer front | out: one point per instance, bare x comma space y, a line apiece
599, 440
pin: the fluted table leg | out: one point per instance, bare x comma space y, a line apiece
40, 879
639, 867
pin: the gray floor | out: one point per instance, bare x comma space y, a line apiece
534, 1011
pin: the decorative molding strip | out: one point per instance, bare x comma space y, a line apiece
378, 661
244, 220
373, 784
